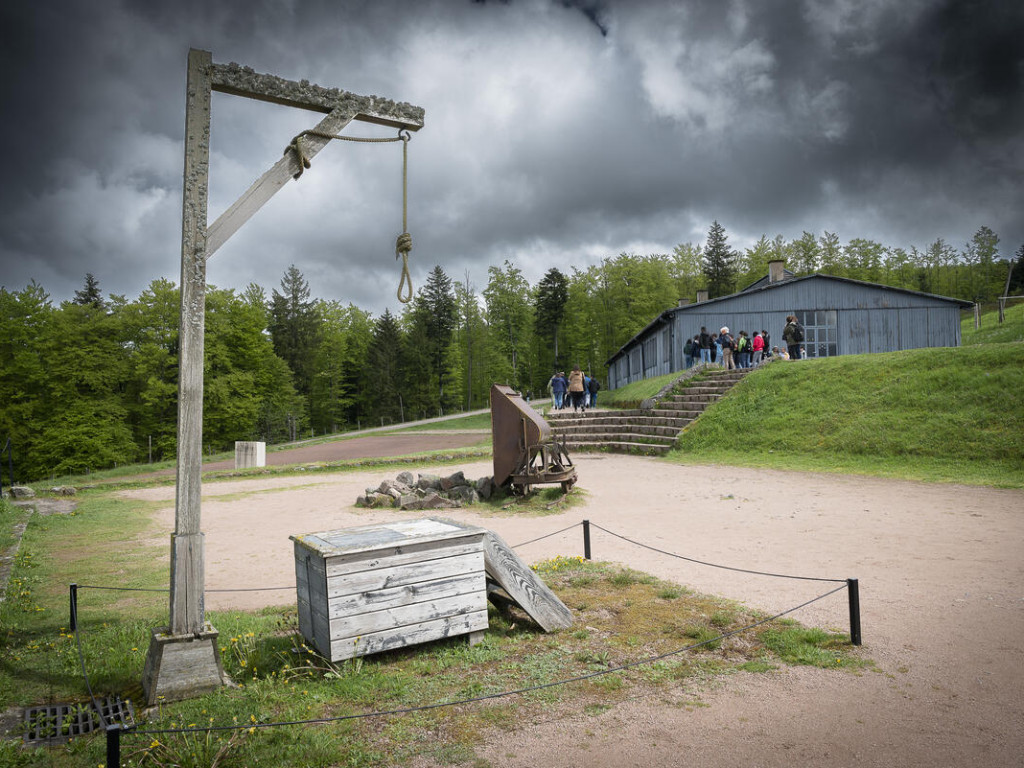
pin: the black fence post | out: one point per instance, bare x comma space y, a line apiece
113, 746
853, 592
586, 539
74, 607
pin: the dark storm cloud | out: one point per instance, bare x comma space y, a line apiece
558, 132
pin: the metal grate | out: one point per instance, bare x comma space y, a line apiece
52, 724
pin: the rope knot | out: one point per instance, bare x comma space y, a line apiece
300, 155
403, 244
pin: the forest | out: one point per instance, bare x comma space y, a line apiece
91, 383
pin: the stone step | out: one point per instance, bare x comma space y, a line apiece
635, 430
681, 401
640, 417
646, 449
672, 413
591, 434
676, 421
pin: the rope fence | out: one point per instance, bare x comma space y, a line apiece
114, 731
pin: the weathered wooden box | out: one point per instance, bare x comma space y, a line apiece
378, 587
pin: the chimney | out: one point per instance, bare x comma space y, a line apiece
776, 270
702, 296
683, 302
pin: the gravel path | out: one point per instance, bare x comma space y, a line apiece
940, 569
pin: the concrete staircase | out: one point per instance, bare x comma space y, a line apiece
651, 431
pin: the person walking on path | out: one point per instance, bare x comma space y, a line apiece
793, 335
558, 385
576, 388
758, 348
592, 387
705, 346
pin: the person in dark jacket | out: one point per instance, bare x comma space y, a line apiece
593, 385
793, 335
727, 345
705, 346
558, 385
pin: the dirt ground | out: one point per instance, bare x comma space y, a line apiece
941, 571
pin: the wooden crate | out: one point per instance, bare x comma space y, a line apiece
377, 587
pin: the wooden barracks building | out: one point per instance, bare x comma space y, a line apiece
840, 317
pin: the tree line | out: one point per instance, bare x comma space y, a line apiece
92, 382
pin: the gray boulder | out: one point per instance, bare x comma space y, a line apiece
465, 494
485, 487
410, 501
453, 480
406, 478
429, 483
22, 492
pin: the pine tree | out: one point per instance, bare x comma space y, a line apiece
549, 310
719, 262
1016, 286
294, 327
383, 371
435, 311
90, 294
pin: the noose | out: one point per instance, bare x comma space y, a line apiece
403, 245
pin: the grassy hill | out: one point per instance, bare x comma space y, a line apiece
952, 415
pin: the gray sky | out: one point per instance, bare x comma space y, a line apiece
557, 133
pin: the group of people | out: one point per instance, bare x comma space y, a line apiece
577, 390
742, 351
727, 350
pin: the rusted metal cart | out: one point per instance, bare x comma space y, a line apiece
526, 452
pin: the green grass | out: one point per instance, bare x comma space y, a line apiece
991, 331
631, 395
621, 616
947, 415
475, 421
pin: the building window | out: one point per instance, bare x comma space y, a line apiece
820, 332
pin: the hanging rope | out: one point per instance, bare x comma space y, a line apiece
403, 245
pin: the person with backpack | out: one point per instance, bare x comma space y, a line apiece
727, 345
793, 335
688, 353
743, 350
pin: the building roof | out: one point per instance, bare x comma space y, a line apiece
764, 285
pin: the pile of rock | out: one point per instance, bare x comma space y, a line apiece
407, 491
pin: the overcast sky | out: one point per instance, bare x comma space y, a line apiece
556, 133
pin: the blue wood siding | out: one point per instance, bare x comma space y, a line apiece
869, 318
